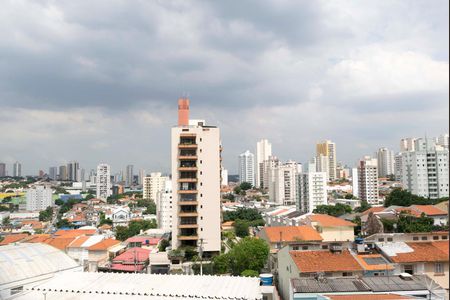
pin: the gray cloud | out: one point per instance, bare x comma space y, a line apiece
87, 79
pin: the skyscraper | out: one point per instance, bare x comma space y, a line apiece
263, 152
425, 170
129, 176
39, 198
17, 169
368, 180
73, 173
103, 179
407, 144
2, 169
141, 176
63, 173
247, 167
153, 184
311, 191
196, 168
328, 149
52, 173
386, 162
283, 191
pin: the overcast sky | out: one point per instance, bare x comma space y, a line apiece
98, 81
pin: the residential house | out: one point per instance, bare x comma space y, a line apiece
101, 252
332, 229
133, 260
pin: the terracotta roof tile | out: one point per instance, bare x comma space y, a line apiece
374, 210
60, 243
292, 233
424, 252
75, 232
13, 238
103, 245
78, 242
330, 221
429, 210
37, 238
325, 261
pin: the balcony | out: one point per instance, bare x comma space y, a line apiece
187, 157
186, 168
184, 203
187, 146
188, 214
186, 226
187, 180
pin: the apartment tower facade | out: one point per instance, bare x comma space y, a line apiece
247, 168
103, 181
263, 152
328, 149
196, 178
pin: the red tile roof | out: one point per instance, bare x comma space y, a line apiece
424, 252
75, 232
324, 261
127, 268
429, 210
145, 240
374, 210
292, 233
330, 221
103, 245
133, 254
78, 242
60, 243
37, 238
13, 238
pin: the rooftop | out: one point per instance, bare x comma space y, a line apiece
13, 238
133, 254
429, 210
292, 233
324, 261
330, 221
400, 252
373, 262
103, 245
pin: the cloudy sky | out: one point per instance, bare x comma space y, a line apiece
98, 81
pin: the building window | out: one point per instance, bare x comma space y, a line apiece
304, 247
438, 268
295, 248
324, 246
435, 237
347, 274
415, 238
444, 237
389, 239
16, 290
408, 269
424, 238
381, 239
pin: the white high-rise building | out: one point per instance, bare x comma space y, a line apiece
39, 198
17, 169
129, 176
398, 166
283, 191
196, 169
323, 165
443, 140
247, 167
153, 184
164, 207
386, 162
142, 174
311, 191
425, 171
355, 182
328, 149
407, 144
103, 181
368, 180
263, 152
269, 166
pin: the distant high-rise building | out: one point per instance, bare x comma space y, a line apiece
196, 168
263, 152
103, 181
323, 165
386, 162
164, 210
224, 176
443, 140
398, 166
269, 167
311, 191
328, 149
53, 173
153, 184
355, 182
425, 170
63, 173
368, 180
142, 174
407, 144
247, 167
129, 175
2, 169
73, 173
39, 198
283, 191
17, 169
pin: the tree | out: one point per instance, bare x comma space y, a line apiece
6, 221
163, 245
373, 225
364, 206
404, 198
89, 197
241, 228
250, 273
134, 228
104, 220
221, 264
333, 210
409, 223
245, 186
248, 254
46, 215
63, 223
237, 190
248, 214
349, 196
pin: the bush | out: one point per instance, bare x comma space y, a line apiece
250, 273
163, 245
248, 254
241, 228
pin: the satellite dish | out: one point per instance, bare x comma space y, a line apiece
434, 288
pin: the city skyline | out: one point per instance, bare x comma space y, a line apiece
260, 69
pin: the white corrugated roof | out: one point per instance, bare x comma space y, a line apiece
28, 260
151, 285
392, 248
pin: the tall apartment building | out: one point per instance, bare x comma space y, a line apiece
63, 173
103, 181
153, 184
328, 149
247, 167
263, 152
407, 144
355, 182
129, 176
283, 191
311, 191
17, 169
73, 171
164, 207
368, 180
141, 176
398, 166
196, 169
443, 140
269, 167
39, 198
386, 162
323, 165
2, 169
425, 170
53, 173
